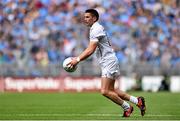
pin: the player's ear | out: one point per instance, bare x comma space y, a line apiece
94, 18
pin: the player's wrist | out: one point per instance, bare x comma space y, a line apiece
78, 59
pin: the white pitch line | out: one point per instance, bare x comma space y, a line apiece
82, 115
89, 120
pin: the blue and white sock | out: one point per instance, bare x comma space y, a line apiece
125, 106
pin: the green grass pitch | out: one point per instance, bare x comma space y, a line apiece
84, 106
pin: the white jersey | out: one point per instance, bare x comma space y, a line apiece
104, 52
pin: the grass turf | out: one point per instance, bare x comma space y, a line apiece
84, 106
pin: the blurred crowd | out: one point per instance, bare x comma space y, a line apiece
47, 31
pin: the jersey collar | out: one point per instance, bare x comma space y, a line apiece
94, 25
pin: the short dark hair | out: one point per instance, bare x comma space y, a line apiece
93, 12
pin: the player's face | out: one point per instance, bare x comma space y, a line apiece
89, 19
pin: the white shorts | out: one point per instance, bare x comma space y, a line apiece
110, 69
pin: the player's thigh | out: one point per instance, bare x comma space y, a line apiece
107, 83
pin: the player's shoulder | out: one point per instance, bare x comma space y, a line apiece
97, 30
97, 27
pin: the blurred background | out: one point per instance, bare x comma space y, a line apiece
37, 35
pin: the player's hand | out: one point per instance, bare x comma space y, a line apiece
73, 63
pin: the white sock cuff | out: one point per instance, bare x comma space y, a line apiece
133, 100
125, 105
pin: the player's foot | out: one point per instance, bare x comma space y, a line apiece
128, 112
141, 105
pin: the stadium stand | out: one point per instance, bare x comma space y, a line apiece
37, 35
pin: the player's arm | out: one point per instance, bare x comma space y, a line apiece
86, 53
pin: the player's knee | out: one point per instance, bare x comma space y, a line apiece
104, 92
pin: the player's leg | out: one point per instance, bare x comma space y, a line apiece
107, 90
139, 101
127, 97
